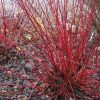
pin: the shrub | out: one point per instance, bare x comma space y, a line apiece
54, 38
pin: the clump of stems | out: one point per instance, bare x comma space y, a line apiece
55, 37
